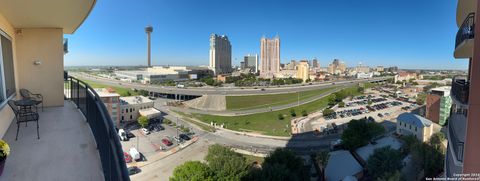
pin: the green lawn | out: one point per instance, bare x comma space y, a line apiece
268, 123
120, 90
251, 159
268, 100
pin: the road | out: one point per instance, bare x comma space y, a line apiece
219, 90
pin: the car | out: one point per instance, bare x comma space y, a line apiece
184, 137
379, 115
134, 153
145, 131
159, 128
123, 135
127, 156
133, 170
262, 89
130, 134
177, 139
167, 142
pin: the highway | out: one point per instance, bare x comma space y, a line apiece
221, 90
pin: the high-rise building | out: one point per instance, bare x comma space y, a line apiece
362, 68
315, 63
438, 105
463, 124
303, 70
379, 69
251, 61
220, 54
337, 67
269, 56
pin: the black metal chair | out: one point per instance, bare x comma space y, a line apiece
24, 117
38, 98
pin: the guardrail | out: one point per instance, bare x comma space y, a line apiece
460, 89
104, 132
467, 30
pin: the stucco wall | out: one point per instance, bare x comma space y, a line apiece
6, 114
44, 45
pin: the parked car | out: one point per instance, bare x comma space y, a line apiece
184, 137
134, 153
133, 170
127, 156
167, 142
159, 127
177, 139
145, 131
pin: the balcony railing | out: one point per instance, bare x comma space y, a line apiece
106, 138
456, 133
467, 30
460, 90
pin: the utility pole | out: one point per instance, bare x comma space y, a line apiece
177, 126
298, 99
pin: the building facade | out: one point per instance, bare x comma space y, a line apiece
412, 124
220, 54
251, 61
438, 104
315, 64
132, 107
269, 57
111, 99
337, 67
303, 71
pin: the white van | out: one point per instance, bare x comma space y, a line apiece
134, 153
123, 135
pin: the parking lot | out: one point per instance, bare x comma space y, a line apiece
159, 137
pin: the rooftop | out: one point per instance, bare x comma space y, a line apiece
341, 164
102, 92
366, 151
135, 99
414, 119
66, 149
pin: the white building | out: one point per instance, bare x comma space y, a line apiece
366, 151
361, 75
136, 106
412, 124
341, 165
156, 74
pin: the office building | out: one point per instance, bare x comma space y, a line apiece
463, 143
133, 107
251, 61
303, 71
337, 67
292, 65
315, 63
269, 57
362, 68
220, 54
111, 100
159, 74
438, 104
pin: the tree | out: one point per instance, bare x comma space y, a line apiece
304, 113
128, 93
280, 116
384, 160
143, 121
193, 171
327, 112
421, 98
360, 89
322, 161
359, 133
282, 164
391, 176
436, 140
341, 104
226, 164
292, 113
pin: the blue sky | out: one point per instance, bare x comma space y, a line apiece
407, 33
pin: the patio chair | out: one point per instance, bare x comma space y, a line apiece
38, 98
23, 117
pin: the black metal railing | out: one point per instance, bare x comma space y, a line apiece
460, 89
467, 30
106, 138
458, 145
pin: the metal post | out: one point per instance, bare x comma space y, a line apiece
298, 99
177, 126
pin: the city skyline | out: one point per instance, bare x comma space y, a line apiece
397, 37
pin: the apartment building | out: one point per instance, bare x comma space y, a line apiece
269, 57
220, 54
133, 107
32, 57
463, 143
438, 104
303, 71
337, 67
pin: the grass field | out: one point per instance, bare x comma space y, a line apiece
268, 100
268, 123
120, 90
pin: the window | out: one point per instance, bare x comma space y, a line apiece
7, 79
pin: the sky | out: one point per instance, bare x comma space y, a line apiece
406, 33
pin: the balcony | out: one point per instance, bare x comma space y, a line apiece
456, 136
460, 90
465, 38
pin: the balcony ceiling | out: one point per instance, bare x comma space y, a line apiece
465, 7
65, 14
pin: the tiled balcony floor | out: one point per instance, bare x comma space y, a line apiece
65, 151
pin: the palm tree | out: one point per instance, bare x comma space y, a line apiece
322, 160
